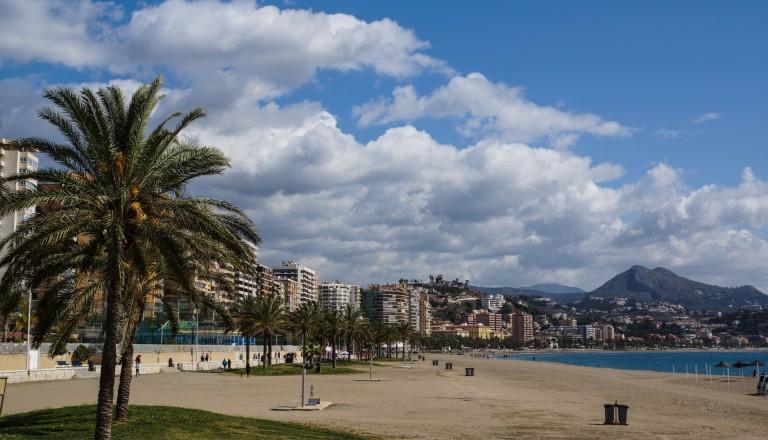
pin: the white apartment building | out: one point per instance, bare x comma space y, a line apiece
16, 160
337, 295
492, 302
306, 277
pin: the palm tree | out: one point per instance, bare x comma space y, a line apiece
332, 323
121, 190
389, 337
404, 331
244, 313
304, 321
378, 333
353, 325
269, 319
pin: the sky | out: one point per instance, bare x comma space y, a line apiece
503, 142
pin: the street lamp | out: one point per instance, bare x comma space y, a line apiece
197, 333
29, 322
161, 331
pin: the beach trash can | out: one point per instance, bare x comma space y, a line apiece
616, 414
469, 371
289, 358
170, 362
90, 365
609, 413
448, 366
623, 413
434, 362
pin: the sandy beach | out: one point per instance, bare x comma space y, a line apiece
505, 399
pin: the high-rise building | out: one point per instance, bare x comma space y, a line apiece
522, 327
396, 304
15, 159
337, 295
304, 276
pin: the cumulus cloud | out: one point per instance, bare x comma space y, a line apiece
485, 108
706, 117
498, 210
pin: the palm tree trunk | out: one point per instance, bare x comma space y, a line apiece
124, 387
333, 351
264, 352
247, 350
126, 366
269, 346
109, 357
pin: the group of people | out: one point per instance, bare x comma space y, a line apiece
226, 364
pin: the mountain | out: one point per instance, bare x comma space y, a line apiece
661, 284
553, 288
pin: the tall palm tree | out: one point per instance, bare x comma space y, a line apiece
353, 325
404, 331
332, 324
121, 187
304, 321
269, 320
244, 313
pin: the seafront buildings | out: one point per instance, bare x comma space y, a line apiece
337, 295
304, 276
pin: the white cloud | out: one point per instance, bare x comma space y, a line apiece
669, 133
74, 34
706, 117
497, 211
488, 109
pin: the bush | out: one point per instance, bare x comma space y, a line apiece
82, 352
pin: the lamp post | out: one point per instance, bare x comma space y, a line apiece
29, 322
161, 331
197, 333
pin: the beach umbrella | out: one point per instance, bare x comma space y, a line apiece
757, 364
723, 364
740, 365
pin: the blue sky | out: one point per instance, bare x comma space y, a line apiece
506, 142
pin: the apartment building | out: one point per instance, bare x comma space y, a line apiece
492, 302
522, 327
337, 295
398, 303
304, 276
16, 160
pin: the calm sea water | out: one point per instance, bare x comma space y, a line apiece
650, 360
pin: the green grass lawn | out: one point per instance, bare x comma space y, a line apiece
162, 422
295, 370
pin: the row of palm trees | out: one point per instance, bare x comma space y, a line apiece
316, 326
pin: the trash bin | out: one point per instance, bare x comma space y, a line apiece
615, 414
434, 362
170, 362
469, 371
623, 413
90, 365
289, 358
608, 414
448, 366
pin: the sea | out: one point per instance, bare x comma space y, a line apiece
662, 361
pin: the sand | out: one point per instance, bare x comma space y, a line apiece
505, 399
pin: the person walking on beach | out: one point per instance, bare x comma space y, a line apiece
138, 362
229, 364
247, 369
224, 364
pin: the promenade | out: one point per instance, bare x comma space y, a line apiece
504, 400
